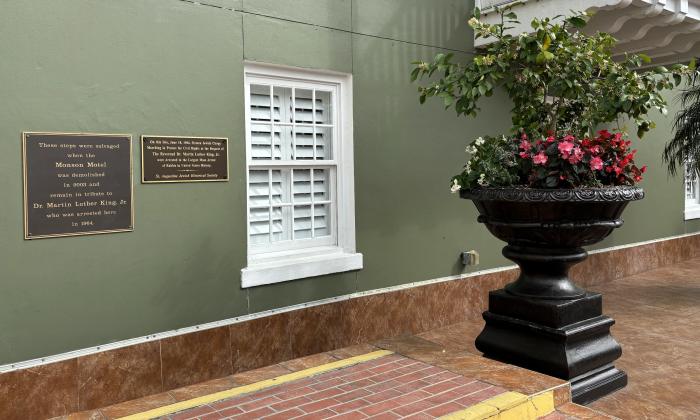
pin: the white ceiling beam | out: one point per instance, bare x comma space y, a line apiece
661, 36
663, 29
673, 12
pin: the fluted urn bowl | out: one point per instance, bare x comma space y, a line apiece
546, 230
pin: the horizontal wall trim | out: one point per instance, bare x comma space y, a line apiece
243, 318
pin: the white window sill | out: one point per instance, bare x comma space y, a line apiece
692, 212
293, 267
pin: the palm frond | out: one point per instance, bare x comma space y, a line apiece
684, 148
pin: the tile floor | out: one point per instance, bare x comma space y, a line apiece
657, 316
658, 325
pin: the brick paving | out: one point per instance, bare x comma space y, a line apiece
390, 387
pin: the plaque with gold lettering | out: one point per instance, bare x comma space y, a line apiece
183, 159
76, 184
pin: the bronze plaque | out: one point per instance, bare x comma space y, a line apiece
183, 159
76, 184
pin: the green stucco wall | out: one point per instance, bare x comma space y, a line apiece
174, 67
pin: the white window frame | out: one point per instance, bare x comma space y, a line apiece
308, 258
692, 205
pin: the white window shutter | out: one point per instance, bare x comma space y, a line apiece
299, 159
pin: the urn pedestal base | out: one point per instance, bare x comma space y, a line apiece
568, 339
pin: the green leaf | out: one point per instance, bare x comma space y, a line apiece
547, 42
645, 58
477, 13
692, 65
577, 21
544, 56
414, 74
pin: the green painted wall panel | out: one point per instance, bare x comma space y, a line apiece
439, 23
329, 13
405, 156
127, 67
296, 44
300, 291
176, 68
226, 4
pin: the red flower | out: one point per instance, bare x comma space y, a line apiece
525, 155
565, 148
525, 145
539, 159
550, 139
596, 164
576, 156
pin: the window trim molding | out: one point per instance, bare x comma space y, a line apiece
691, 208
280, 266
692, 212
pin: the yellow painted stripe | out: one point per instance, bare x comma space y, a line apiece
257, 386
508, 406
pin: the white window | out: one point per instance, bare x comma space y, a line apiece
692, 195
299, 153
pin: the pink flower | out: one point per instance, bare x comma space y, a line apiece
525, 155
539, 159
596, 164
565, 148
525, 145
576, 155
550, 139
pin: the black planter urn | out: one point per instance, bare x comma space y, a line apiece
543, 321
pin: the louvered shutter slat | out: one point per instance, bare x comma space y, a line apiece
287, 206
